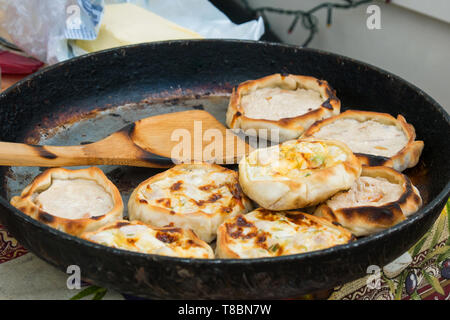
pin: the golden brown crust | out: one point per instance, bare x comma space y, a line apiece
241, 230
204, 224
289, 128
278, 193
407, 157
75, 227
185, 239
365, 220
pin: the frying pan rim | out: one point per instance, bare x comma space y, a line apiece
298, 257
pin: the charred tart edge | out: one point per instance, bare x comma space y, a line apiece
375, 218
407, 157
290, 128
72, 226
223, 237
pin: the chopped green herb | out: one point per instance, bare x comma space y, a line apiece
319, 159
274, 247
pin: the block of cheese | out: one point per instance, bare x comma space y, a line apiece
126, 23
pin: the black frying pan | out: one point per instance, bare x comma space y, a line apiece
86, 98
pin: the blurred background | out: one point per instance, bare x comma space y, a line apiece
410, 38
413, 42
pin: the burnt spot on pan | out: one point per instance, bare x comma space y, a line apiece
97, 123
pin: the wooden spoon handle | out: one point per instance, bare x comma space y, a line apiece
20, 154
116, 149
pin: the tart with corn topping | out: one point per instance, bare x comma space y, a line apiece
297, 173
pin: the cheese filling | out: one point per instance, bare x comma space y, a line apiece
367, 191
144, 239
292, 160
188, 191
74, 199
369, 137
275, 234
277, 103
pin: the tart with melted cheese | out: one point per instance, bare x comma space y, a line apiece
140, 237
72, 201
263, 233
298, 173
191, 196
379, 199
288, 103
378, 139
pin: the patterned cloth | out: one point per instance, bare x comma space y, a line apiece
24, 276
426, 277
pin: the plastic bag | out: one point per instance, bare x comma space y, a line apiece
44, 28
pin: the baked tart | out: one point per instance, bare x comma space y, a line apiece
190, 196
140, 237
298, 173
264, 233
379, 199
287, 104
73, 201
378, 139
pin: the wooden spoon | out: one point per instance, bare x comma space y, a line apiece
156, 142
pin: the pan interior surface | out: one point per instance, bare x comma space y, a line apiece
98, 124
101, 93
